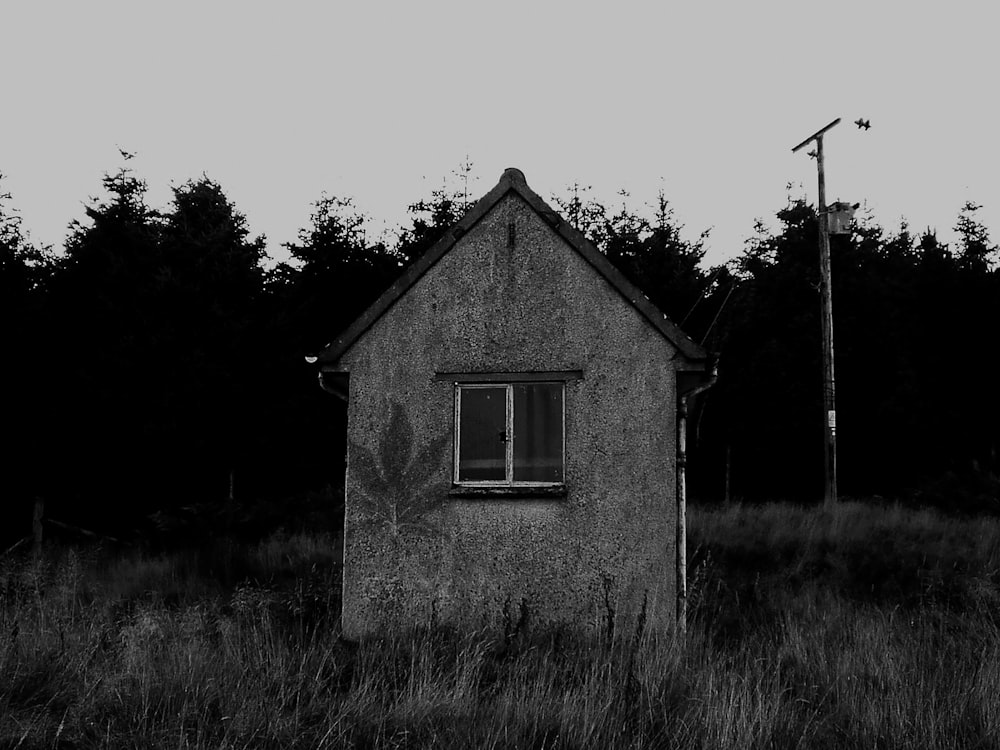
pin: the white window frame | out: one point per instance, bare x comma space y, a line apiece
508, 481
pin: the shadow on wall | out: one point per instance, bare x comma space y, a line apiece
397, 487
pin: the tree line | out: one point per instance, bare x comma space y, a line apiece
156, 378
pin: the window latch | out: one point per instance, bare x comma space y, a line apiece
503, 436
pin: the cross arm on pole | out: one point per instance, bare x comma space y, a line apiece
816, 135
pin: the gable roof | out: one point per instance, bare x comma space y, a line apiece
513, 180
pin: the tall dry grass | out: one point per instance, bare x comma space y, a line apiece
861, 627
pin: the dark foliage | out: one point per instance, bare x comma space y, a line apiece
914, 398
157, 366
24, 273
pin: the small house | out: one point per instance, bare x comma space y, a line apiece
515, 444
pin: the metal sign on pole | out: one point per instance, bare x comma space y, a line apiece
826, 318
841, 215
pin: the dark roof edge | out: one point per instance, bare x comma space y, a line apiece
512, 179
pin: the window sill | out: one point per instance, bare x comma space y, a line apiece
508, 492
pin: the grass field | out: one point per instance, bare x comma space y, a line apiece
863, 627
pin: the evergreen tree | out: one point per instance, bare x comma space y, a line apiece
155, 315
25, 269
100, 322
336, 272
975, 251
209, 296
430, 219
764, 410
650, 253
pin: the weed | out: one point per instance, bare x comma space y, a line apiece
857, 627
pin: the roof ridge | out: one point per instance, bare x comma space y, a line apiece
513, 179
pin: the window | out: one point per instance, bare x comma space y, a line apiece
509, 434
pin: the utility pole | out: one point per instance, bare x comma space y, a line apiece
826, 318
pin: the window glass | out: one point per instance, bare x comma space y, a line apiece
538, 432
482, 447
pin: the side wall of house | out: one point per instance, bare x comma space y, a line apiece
601, 557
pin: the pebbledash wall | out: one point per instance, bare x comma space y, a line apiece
512, 289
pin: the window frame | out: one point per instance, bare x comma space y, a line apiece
508, 483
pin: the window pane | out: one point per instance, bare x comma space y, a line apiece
482, 450
538, 432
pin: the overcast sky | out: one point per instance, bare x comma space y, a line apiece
279, 102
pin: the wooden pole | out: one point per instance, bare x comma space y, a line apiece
826, 316
826, 323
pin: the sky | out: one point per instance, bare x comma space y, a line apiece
383, 101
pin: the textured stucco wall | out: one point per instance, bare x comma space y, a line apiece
412, 554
